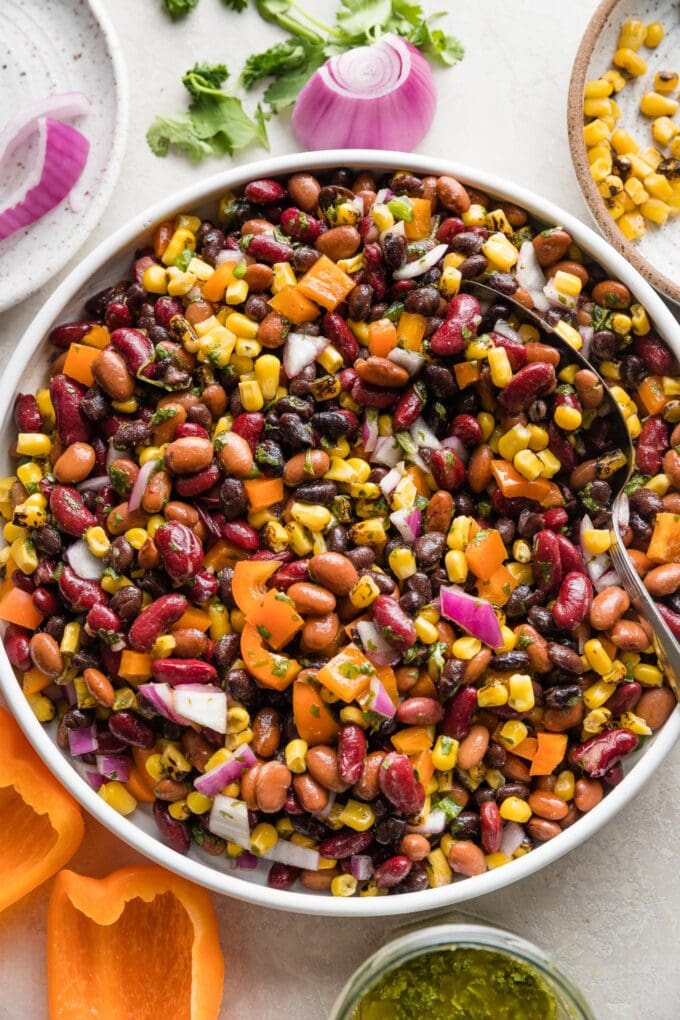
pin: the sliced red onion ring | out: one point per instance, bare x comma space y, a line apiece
60, 159
421, 265
301, 350
60, 106
83, 562
141, 482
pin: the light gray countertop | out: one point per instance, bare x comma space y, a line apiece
608, 913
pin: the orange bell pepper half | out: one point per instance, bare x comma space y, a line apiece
248, 582
140, 943
41, 826
276, 619
348, 674
272, 670
314, 721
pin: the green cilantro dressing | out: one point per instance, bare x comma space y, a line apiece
459, 984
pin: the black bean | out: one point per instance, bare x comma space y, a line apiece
269, 457
451, 678
390, 831
227, 650
319, 491
439, 381
603, 344
336, 538
406, 184
423, 301
359, 302
242, 688
510, 662
465, 826
646, 503
119, 555
225, 578
466, 243
411, 602
303, 258
55, 627
155, 582
362, 557
331, 425
521, 790
200, 415
296, 435
541, 619
308, 826
530, 523
506, 529
506, 283
133, 433
633, 371
394, 248
564, 694
384, 582
419, 582
429, 548
642, 529
303, 408
483, 794
495, 757
95, 405
47, 540
473, 266
127, 602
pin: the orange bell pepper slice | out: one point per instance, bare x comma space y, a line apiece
325, 283
348, 674
466, 373
550, 751
419, 226
135, 666
512, 484
294, 306
247, 584
276, 619
263, 492
527, 748
215, 287
78, 364
314, 721
16, 606
139, 943
423, 766
410, 330
485, 553
382, 337
41, 826
498, 588
98, 336
222, 554
196, 619
664, 546
651, 394
413, 739
272, 670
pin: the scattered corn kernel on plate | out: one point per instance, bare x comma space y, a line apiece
28, 370
624, 133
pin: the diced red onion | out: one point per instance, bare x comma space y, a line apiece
398, 228
587, 334
371, 97
505, 329
623, 511
513, 837
83, 562
369, 429
391, 480
378, 701
301, 350
361, 866
454, 443
24, 123
296, 856
423, 436
95, 780
433, 824
203, 704
383, 196
112, 454
410, 360
83, 740
210, 783
530, 276
421, 265
325, 811
69, 694
387, 451
60, 157
94, 484
472, 614
557, 298
114, 766
585, 525
229, 819
407, 523
608, 580
161, 698
374, 645
141, 482
598, 566
247, 861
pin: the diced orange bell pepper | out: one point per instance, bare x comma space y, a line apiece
423, 766
97, 336
314, 721
424, 687
348, 674
193, 617
467, 373
419, 226
79, 361
527, 748
34, 680
326, 284
485, 553
651, 394
419, 479
248, 583
41, 826
411, 330
276, 619
222, 554
512, 484
140, 783
16, 606
263, 492
135, 667
551, 749
294, 305
664, 546
215, 287
382, 337
139, 943
272, 670
498, 588
413, 739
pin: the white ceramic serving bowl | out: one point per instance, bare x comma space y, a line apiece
26, 370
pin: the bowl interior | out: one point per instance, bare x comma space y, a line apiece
657, 253
27, 370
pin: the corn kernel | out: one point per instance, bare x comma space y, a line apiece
33, 444
568, 418
598, 694
597, 540
198, 803
499, 365
475, 216
655, 211
599, 107
241, 326
513, 441
459, 532
174, 762
595, 132
597, 657
567, 283
521, 696
597, 89
357, 815
512, 733
492, 695
118, 797
382, 217
528, 464
653, 104
596, 720
344, 885
666, 81
635, 723
284, 276
632, 34
251, 395
438, 870
450, 281
648, 675
569, 334
515, 809
263, 838
311, 516
24, 554
623, 143
456, 566
369, 532
500, 252
426, 631
402, 564
445, 753
614, 78
630, 61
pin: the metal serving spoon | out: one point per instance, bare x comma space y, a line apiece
665, 644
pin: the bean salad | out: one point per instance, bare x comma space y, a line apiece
307, 550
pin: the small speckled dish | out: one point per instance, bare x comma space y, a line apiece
657, 254
49, 46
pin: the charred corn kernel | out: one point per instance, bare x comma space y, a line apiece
466, 647
598, 694
514, 441
426, 631
438, 871
623, 143
512, 733
83, 697
515, 809
569, 334
618, 672
445, 753
528, 464
479, 348
597, 540
369, 532
263, 838
382, 217
43, 708
492, 695
630, 61
456, 566
24, 554
154, 766
284, 276
609, 188
173, 761
402, 564
487, 424
371, 889
357, 815
299, 538
500, 252
655, 211
331, 359
450, 281
595, 132
251, 395
364, 490
311, 516
666, 81
347, 213
635, 723
499, 365
365, 591
241, 326
181, 239
29, 474
29, 516
654, 104
360, 330
600, 107
597, 657
33, 444
274, 534
238, 719
632, 225
344, 885
14, 532
632, 34
596, 720
599, 88
658, 186
179, 810
648, 675
475, 216
521, 693
567, 283
118, 797
459, 532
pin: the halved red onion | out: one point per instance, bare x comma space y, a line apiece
83, 562
472, 614
20, 127
410, 360
369, 429
141, 482
210, 783
301, 350
421, 265
374, 645
371, 97
296, 856
229, 819
59, 161
203, 704
598, 565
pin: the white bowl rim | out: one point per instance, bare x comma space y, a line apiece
124, 828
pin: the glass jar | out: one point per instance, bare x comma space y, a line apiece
421, 939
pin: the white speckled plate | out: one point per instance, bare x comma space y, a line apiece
657, 254
49, 46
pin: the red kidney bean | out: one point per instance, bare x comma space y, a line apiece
351, 753
463, 317
180, 551
458, 713
183, 671
131, 729
409, 406
490, 827
155, 620
265, 248
175, 833
420, 711
289, 574
651, 445
203, 587
282, 876
71, 514
559, 445
656, 356
398, 783
78, 592
372, 396
165, 309
67, 396
570, 557
264, 191
101, 617
555, 519
374, 270
574, 600
27, 416
191, 428
194, 485
135, 348
467, 429
532, 381
299, 226
345, 844
67, 333
598, 754
671, 618
515, 350
241, 534
395, 626
341, 336
449, 228
249, 426
447, 469
624, 698
547, 561
392, 872
17, 641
